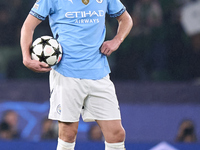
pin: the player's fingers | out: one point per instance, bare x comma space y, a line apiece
106, 48
109, 53
103, 48
42, 70
44, 65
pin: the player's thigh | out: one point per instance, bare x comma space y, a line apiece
67, 131
67, 97
102, 103
113, 130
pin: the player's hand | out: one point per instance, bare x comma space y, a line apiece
37, 66
110, 46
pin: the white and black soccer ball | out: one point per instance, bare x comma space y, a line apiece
46, 49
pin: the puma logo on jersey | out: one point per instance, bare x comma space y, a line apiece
71, 1
99, 1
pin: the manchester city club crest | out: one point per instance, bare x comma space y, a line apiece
58, 109
85, 1
99, 1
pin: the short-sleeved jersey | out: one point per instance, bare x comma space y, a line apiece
79, 26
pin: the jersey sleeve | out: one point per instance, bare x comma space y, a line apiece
42, 8
115, 8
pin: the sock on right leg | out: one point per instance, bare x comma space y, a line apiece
114, 146
62, 145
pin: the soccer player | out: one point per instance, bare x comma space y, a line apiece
80, 83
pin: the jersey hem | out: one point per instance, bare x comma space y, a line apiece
93, 74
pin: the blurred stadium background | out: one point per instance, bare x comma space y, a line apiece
156, 72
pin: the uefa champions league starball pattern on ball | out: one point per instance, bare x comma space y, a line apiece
46, 49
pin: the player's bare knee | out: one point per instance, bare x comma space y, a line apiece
121, 135
70, 137
116, 136
68, 131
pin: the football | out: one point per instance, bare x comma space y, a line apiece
46, 49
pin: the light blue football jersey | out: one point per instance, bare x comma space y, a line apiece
79, 26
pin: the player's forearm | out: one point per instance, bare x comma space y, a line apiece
27, 35
25, 41
125, 25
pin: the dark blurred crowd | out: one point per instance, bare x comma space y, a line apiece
9, 127
9, 130
12, 12
12, 15
157, 48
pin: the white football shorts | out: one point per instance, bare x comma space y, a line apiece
72, 97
